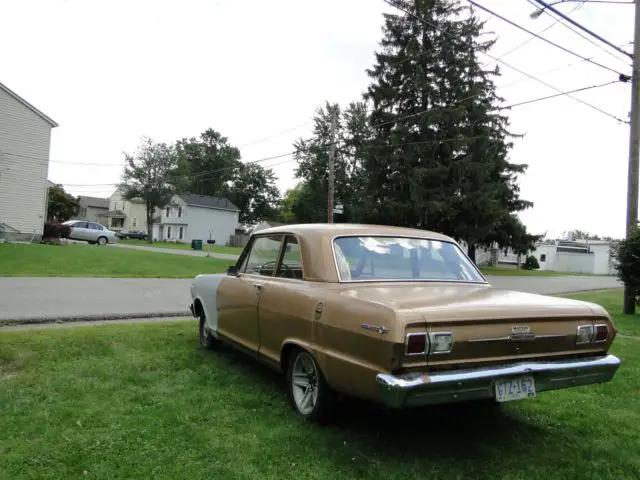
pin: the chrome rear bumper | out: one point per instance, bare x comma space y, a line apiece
416, 389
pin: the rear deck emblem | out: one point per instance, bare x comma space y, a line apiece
521, 332
378, 328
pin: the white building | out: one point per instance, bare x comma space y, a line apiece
583, 256
190, 217
25, 139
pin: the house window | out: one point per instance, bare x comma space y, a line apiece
168, 212
168, 232
82, 212
134, 222
180, 234
543, 257
179, 212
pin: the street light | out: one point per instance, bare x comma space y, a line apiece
540, 11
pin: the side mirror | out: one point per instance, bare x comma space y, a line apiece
232, 270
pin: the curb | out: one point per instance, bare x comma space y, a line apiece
6, 322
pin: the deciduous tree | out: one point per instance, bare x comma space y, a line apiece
147, 177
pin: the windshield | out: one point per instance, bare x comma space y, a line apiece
402, 258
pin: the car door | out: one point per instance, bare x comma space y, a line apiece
284, 304
80, 231
239, 295
94, 230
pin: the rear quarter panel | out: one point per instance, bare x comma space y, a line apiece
350, 352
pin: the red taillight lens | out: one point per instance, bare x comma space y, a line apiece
416, 344
601, 332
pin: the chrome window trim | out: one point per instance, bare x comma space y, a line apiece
389, 235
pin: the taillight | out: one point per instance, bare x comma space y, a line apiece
416, 344
440, 342
592, 333
601, 332
584, 334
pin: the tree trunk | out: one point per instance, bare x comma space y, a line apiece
149, 224
471, 252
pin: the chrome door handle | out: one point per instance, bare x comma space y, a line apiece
258, 286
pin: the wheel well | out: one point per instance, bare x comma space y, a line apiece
197, 306
287, 350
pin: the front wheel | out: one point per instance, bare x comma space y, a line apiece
102, 241
206, 339
308, 390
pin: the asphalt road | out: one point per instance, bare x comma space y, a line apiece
35, 299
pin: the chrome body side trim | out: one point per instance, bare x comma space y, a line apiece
424, 388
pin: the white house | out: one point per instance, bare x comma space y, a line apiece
25, 139
190, 217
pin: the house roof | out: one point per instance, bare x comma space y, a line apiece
208, 202
28, 105
93, 202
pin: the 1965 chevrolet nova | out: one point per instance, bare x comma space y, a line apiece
397, 316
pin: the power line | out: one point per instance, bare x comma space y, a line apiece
507, 64
559, 20
526, 102
581, 27
539, 37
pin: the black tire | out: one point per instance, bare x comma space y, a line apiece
103, 241
325, 399
207, 340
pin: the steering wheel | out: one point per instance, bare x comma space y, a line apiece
286, 267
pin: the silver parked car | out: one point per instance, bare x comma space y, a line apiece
90, 232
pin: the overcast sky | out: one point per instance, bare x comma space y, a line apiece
111, 71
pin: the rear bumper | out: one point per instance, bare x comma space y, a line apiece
417, 389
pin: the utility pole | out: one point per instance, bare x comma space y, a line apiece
332, 152
634, 152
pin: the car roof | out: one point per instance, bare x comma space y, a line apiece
316, 249
337, 229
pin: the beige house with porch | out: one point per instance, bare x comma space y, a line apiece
126, 214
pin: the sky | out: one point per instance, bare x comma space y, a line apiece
111, 71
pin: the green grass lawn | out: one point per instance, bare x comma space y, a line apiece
144, 401
77, 260
520, 272
184, 246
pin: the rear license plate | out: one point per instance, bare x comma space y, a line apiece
515, 389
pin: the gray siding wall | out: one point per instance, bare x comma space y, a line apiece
200, 220
24, 165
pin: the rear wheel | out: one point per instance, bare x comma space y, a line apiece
102, 241
308, 390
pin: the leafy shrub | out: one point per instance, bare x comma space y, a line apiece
531, 263
53, 229
627, 255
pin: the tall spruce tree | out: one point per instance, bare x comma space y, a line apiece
439, 154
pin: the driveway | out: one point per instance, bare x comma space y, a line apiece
40, 299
